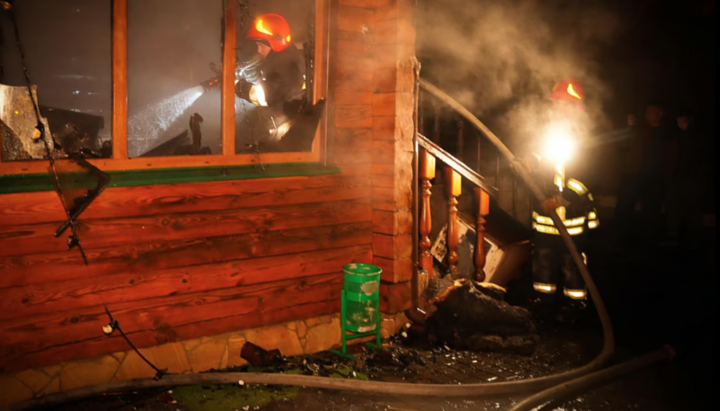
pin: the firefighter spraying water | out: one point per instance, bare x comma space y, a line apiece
274, 81
561, 298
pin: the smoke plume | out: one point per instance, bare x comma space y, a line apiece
501, 58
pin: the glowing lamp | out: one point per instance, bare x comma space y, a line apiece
559, 143
257, 96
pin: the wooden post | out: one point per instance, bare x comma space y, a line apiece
427, 173
228, 79
480, 250
453, 183
120, 80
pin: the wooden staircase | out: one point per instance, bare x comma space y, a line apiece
446, 182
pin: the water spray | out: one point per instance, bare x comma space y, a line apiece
145, 127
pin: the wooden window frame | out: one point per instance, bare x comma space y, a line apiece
120, 160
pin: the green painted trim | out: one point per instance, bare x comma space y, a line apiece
25, 183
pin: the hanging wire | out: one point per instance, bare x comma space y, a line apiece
74, 240
115, 325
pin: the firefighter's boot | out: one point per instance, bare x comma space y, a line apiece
571, 312
544, 309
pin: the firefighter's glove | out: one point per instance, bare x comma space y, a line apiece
242, 89
553, 203
549, 204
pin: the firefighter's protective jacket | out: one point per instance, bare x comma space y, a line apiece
579, 216
281, 76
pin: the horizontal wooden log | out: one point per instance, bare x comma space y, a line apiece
384, 128
395, 298
95, 234
355, 19
383, 199
358, 45
43, 207
102, 345
386, 32
49, 297
386, 10
147, 257
369, 4
394, 271
383, 175
383, 151
355, 37
354, 76
385, 80
356, 116
351, 147
383, 246
39, 333
344, 98
385, 104
384, 222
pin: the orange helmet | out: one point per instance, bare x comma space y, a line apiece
273, 30
569, 90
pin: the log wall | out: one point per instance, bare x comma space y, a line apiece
179, 262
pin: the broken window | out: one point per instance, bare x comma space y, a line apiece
174, 48
274, 110
68, 53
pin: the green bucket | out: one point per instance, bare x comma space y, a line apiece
361, 285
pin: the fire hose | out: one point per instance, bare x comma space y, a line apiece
549, 388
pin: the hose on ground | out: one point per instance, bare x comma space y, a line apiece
370, 387
425, 390
592, 380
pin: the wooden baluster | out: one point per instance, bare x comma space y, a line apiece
453, 183
461, 140
427, 173
480, 250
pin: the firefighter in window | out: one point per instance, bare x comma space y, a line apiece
274, 81
560, 291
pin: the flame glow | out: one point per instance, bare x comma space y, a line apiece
571, 91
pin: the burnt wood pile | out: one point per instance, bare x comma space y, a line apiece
468, 315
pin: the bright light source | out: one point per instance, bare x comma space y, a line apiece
257, 96
559, 143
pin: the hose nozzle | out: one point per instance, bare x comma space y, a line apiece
211, 84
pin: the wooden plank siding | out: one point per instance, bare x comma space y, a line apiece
183, 261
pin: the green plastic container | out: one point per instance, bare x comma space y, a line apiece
361, 285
